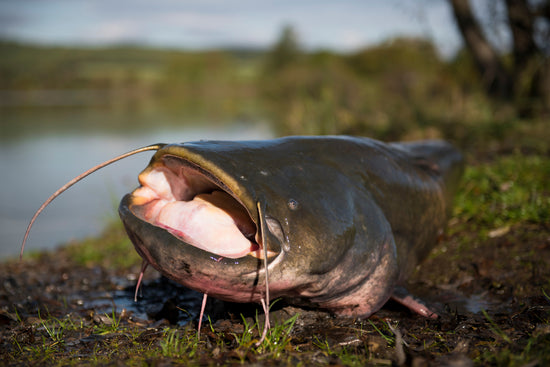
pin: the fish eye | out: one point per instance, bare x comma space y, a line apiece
293, 204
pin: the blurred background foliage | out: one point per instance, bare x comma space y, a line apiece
400, 89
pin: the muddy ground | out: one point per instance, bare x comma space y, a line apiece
492, 293
503, 276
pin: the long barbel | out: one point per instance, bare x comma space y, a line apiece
78, 178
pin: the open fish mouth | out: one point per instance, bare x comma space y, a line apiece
197, 208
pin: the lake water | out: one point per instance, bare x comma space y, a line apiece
43, 148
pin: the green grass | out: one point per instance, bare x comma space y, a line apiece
278, 337
109, 324
388, 338
533, 348
536, 349
496, 329
361, 352
178, 344
115, 337
511, 190
112, 249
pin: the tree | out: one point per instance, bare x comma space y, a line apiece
525, 79
285, 51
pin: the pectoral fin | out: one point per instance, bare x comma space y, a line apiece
402, 296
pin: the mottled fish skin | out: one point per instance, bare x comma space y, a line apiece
347, 218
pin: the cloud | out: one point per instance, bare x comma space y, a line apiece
114, 31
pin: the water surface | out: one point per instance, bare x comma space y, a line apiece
42, 148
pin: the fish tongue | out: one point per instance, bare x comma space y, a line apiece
228, 204
204, 225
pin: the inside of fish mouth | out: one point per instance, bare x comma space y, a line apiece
197, 208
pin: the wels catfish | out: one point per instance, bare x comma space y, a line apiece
332, 222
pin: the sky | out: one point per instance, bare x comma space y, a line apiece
340, 25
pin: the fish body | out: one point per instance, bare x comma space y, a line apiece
339, 221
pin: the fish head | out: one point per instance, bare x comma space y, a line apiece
206, 215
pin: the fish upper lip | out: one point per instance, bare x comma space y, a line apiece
206, 183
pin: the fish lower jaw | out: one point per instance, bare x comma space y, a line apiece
225, 291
